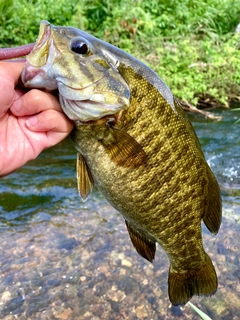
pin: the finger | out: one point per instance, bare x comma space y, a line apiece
34, 101
54, 124
9, 74
50, 120
11, 71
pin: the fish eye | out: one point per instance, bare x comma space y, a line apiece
80, 47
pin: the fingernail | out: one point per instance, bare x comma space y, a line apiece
31, 122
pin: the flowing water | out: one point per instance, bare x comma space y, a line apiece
65, 259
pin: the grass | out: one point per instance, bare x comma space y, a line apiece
201, 314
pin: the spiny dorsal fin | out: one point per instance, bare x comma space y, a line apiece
144, 246
124, 149
84, 177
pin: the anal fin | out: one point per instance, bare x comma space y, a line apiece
84, 177
144, 246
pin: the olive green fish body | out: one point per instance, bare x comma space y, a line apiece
170, 189
137, 145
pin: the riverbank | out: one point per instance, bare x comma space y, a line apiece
192, 45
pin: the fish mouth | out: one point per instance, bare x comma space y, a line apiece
39, 62
44, 34
30, 73
33, 77
39, 55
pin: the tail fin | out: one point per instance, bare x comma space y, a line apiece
201, 281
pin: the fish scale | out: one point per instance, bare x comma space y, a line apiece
136, 144
143, 184
171, 183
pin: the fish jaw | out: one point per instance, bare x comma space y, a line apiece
89, 87
38, 65
33, 77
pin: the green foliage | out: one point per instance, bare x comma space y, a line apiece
194, 68
168, 18
190, 43
20, 22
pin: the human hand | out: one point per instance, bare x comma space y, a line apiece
29, 121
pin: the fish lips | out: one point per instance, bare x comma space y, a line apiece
32, 77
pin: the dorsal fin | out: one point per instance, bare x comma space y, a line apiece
84, 177
213, 216
144, 246
124, 149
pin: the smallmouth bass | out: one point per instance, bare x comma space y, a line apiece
136, 144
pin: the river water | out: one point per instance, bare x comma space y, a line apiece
65, 259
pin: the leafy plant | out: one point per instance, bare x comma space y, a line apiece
190, 43
20, 21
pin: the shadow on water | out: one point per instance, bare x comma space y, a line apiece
65, 259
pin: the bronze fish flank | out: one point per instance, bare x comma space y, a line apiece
136, 144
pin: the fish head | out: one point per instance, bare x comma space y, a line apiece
82, 69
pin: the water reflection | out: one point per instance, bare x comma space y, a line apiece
221, 142
65, 259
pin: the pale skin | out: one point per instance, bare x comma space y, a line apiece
29, 121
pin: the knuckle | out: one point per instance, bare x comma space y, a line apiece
34, 94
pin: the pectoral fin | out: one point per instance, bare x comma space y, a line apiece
84, 177
124, 149
144, 246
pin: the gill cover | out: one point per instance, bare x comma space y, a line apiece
90, 86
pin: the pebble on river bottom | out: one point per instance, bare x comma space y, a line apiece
82, 265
